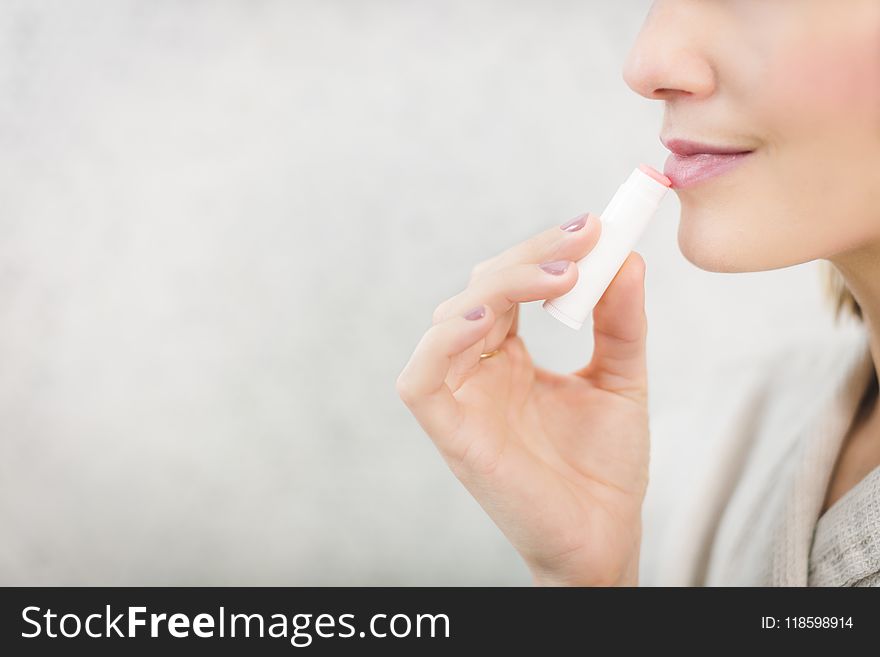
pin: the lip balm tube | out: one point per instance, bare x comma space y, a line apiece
623, 222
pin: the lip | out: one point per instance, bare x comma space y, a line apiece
691, 162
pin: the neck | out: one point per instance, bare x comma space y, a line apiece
861, 271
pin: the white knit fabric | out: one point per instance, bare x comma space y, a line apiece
739, 470
846, 546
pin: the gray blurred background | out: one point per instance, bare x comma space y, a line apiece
225, 226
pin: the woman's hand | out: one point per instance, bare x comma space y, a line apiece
558, 461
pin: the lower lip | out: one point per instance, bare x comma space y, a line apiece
688, 170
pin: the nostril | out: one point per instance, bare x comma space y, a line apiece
666, 93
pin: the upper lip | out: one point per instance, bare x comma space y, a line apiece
687, 147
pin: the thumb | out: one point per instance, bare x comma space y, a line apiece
620, 328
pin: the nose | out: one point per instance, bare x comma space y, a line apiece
670, 57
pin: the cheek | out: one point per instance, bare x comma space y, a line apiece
818, 107
826, 78
818, 188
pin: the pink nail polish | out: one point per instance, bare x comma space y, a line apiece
575, 224
557, 267
475, 313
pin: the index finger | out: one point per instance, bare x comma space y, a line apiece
570, 241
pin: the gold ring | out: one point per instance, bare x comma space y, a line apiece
490, 354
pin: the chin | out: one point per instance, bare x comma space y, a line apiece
721, 244
704, 245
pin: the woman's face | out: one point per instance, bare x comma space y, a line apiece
797, 83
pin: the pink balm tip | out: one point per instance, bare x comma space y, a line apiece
656, 175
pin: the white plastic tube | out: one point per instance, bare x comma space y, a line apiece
623, 222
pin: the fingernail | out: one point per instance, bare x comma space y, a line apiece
575, 224
557, 267
476, 313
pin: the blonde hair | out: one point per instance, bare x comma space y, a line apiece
840, 295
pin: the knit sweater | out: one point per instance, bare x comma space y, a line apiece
740, 464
